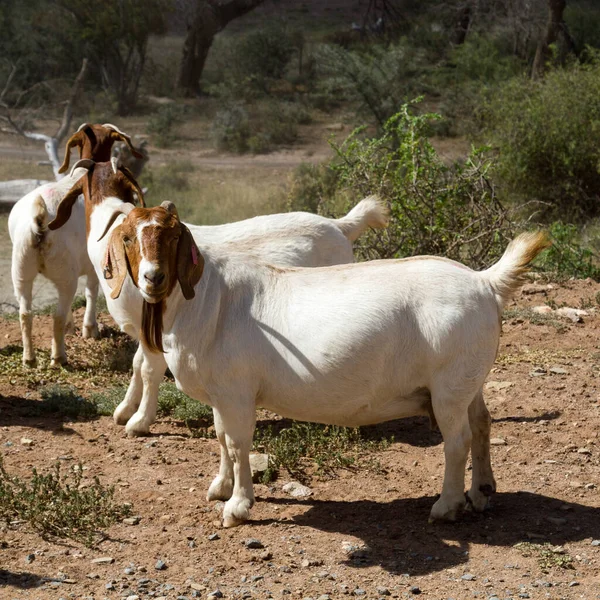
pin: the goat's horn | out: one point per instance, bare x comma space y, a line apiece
82, 126
116, 163
111, 126
83, 163
112, 219
169, 207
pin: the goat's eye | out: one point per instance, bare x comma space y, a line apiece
126, 240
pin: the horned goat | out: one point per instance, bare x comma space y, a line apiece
350, 345
60, 256
289, 239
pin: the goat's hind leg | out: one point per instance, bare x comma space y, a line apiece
66, 292
222, 486
451, 413
24, 294
483, 484
90, 325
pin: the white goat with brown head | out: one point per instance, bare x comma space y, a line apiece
61, 256
289, 239
351, 345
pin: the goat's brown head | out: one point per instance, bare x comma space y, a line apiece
102, 180
95, 142
158, 251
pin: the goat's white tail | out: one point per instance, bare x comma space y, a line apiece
369, 212
40, 216
507, 275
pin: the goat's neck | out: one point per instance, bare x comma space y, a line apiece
97, 216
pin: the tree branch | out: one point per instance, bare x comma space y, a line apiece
68, 112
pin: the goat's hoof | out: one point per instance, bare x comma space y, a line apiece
137, 428
124, 412
30, 363
90, 332
220, 489
58, 362
236, 511
448, 512
478, 499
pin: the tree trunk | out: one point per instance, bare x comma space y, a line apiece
553, 29
211, 17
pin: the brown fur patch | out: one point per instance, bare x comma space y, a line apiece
152, 325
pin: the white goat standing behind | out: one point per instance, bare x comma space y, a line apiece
351, 345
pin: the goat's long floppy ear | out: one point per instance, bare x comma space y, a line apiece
190, 263
133, 184
116, 265
75, 140
63, 212
120, 136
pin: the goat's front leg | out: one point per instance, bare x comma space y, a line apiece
452, 417
90, 325
222, 486
133, 396
23, 292
237, 420
66, 292
152, 371
483, 484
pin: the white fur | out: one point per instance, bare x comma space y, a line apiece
287, 239
60, 255
348, 345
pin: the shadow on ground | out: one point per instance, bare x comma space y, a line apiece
397, 536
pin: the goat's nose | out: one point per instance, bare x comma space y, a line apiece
154, 277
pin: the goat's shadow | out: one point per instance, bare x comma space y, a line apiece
22, 580
396, 535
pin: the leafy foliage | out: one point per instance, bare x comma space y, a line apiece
59, 505
300, 445
161, 125
546, 132
446, 210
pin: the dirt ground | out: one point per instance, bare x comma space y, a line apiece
364, 533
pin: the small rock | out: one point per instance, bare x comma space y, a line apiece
110, 585
285, 569
160, 565
213, 536
133, 597
297, 490
595, 542
29, 558
324, 597
215, 594
93, 576
538, 372
311, 563
558, 370
544, 309
498, 442
103, 560
584, 451
266, 555
468, 577
533, 288
498, 385
359, 592
383, 591
132, 520
259, 464
129, 571
413, 589
26, 442
253, 543
573, 583
573, 314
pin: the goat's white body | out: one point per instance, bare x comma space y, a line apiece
61, 256
348, 345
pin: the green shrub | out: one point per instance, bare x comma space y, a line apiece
259, 128
310, 185
567, 257
583, 21
65, 400
106, 402
59, 505
546, 132
436, 208
162, 124
197, 416
302, 445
